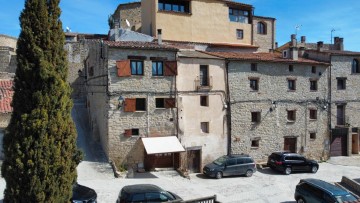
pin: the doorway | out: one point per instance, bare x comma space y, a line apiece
355, 143
194, 160
290, 144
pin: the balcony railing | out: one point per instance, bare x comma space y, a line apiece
203, 84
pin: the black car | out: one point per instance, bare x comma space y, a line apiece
318, 191
288, 162
228, 165
83, 194
146, 193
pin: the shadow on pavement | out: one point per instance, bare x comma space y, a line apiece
202, 176
289, 202
145, 175
269, 171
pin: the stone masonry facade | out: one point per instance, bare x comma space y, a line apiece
130, 12
264, 41
273, 101
7, 54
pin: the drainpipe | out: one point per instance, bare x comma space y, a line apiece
228, 109
273, 34
330, 101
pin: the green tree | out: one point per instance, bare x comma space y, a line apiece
40, 142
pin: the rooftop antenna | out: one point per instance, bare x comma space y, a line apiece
297, 28
128, 23
331, 36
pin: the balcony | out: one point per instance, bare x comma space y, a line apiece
203, 84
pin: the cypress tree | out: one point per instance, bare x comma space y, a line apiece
40, 142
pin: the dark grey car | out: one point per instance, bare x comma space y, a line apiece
229, 165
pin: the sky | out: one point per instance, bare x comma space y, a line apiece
315, 18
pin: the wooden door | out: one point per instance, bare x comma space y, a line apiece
290, 144
338, 146
193, 157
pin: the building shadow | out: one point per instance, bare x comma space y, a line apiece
289, 202
269, 171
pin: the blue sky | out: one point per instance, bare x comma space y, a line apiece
316, 17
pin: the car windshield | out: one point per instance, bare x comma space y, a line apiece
345, 198
220, 161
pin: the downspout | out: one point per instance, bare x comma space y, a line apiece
273, 35
330, 101
228, 109
252, 26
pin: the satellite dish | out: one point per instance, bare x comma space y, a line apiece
127, 23
68, 29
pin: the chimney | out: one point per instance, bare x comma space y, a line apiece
159, 35
293, 40
320, 46
303, 39
276, 45
339, 43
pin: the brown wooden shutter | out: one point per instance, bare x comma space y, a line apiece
123, 68
170, 68
127, 133
130, 105
170, 103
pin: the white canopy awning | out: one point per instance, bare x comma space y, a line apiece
157, 145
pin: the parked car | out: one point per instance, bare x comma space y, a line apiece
229, 165
146, 193
83, 194
318, 191
287, 162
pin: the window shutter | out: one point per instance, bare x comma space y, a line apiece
123, 68
170, 68
170, 103
130, 105
128, 133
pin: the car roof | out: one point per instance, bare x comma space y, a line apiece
332, 189
237, 155
286, 153
140, 188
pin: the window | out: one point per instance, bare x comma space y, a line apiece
205, 127
131, 132
231, 162
239, 34
355, 66
341, 83
157, 68
261, 28
204, 101
167, 103
255, 117
204, 75
141, 104
254, 67
240, 16
313, 114
291, 84
340, 114
137, 67
134, 104
291, 68
313, 69
312, 135
177, 6
254, 84
291, 115
313, 85
255, 143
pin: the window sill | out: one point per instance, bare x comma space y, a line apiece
175, 12
239, 38
290, 121
139, 112
160, 108
254, 148
313, 119
291, 90
158, 76
313, 90
262, 34
137, 76
312, 139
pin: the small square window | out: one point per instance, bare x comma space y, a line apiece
204, 101
137, 67
291, 68
313, 69
255, 143
341, 83
140, 104
255, 117
160, 103
205, 127
254, 67
313, 85
254, 84
291, 115
313, 114
157, 68
291, 84
135, 131
239, 34
312, 135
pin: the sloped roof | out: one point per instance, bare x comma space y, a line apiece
139, 45
265, 57
6, 94
338, 52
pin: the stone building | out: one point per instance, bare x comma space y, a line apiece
277, 103
130, 12
7, 54
6, 94
344, 97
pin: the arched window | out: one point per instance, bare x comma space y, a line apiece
355, 66
261, 28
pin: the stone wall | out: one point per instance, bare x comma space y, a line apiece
130, 12
7, 54
272, 101
264, 41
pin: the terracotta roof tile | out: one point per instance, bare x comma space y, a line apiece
6, 94
191, 45
265, 57
139, 45
338, 52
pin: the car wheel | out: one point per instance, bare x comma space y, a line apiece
314, 169
249, 173
300, 200
219, 175
287, 170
